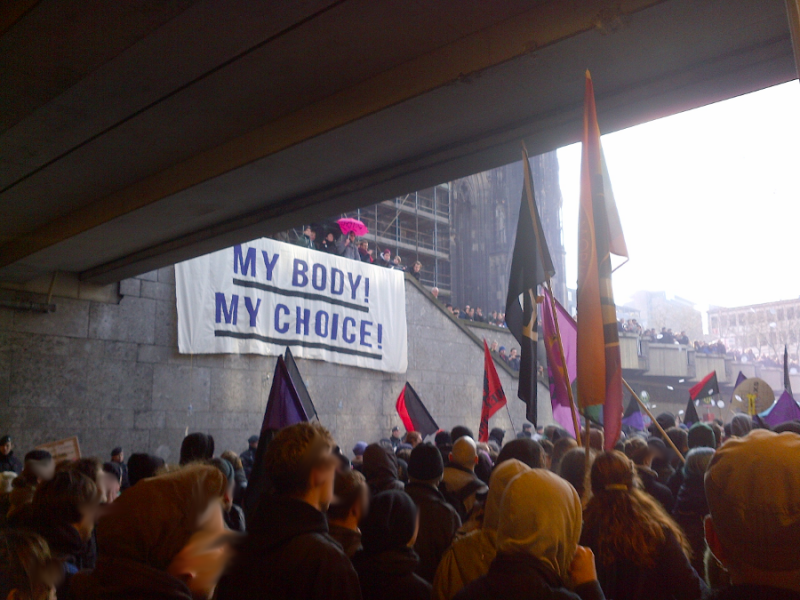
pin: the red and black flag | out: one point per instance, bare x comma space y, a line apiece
706, 388
599, 236
413, 414
531, 265
494, 398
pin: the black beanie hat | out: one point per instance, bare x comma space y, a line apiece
390, 522
142, 466
425, 463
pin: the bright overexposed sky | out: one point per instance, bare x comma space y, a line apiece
709, 201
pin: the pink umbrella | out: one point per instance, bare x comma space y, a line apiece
347, 225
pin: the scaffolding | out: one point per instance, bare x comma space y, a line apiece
415, 227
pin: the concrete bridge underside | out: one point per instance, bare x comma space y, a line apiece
137, 134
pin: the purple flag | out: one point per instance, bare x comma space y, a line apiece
559, 378
633, 416
284, 406
739, 380
785, 409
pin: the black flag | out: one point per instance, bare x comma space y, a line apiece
413, 413
531, 265
787, 383
691, 417
300, 385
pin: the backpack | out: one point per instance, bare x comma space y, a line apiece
456, 500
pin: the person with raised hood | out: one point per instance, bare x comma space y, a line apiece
470, 556
538, 556
753, 489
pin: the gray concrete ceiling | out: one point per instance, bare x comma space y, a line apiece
136, 134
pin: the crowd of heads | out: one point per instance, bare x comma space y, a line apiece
332, 241
669, 513
476, 314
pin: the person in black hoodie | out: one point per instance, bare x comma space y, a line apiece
289, 552
438, 520
379, 467
691, 506
386, 564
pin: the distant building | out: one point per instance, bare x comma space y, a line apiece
758, 326
657, 311
463, 231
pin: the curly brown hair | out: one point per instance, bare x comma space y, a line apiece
628, 522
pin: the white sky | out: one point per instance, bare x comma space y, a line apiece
709, 201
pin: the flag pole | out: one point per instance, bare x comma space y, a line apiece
510, 420
656, 423
572, 408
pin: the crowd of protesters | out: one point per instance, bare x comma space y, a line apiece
408, 519
349, 246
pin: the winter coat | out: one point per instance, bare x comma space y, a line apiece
347, 250
466, 560
248, 460
521, 576
457, 479
675, 482
671, 577
390, 576
304, 242
657, 490
234, 519
753, 592
290, 554
689, 512
9, 462
349, 539
124, 481
123, 579
380, 469
438, 523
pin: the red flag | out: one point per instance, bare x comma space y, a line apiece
413, 414
494, 398
600, 236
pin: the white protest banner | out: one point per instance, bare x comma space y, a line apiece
259, 297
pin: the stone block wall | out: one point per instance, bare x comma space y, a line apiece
112, 375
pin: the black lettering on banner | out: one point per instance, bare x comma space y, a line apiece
297, 294
280, 341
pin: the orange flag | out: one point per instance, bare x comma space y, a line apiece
599, 236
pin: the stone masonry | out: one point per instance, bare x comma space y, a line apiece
112, 375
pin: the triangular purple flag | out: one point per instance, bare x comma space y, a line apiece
741, 378
284, 406
785, 409
633, 416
